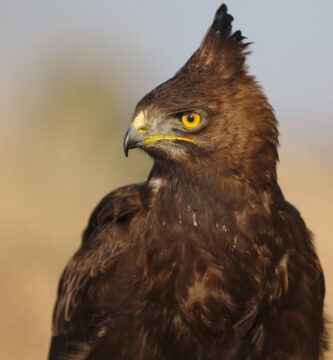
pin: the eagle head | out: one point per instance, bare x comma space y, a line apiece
212, 112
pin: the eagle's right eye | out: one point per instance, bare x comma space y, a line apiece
191, 120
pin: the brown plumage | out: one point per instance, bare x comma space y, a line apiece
206, 259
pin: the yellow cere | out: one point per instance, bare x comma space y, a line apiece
157, 138
139, 123
191, 120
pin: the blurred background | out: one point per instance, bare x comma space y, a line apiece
71, 73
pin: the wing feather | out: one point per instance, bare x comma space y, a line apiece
103, 240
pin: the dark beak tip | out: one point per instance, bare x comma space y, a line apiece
126, 142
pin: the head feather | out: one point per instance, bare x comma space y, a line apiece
220, 50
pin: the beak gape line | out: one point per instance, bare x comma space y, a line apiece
133, 139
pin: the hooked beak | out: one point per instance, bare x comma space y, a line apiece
132, 139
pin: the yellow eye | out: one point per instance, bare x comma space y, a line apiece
191, 120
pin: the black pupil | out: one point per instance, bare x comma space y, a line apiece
190, 118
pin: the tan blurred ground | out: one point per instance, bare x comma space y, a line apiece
55, 168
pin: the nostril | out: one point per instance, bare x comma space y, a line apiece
142, 130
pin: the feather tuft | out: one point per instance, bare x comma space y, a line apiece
222, 20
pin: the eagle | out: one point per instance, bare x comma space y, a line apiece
206, 259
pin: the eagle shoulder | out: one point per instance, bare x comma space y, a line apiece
105, 238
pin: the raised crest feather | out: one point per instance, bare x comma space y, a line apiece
220, 49
222, 20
